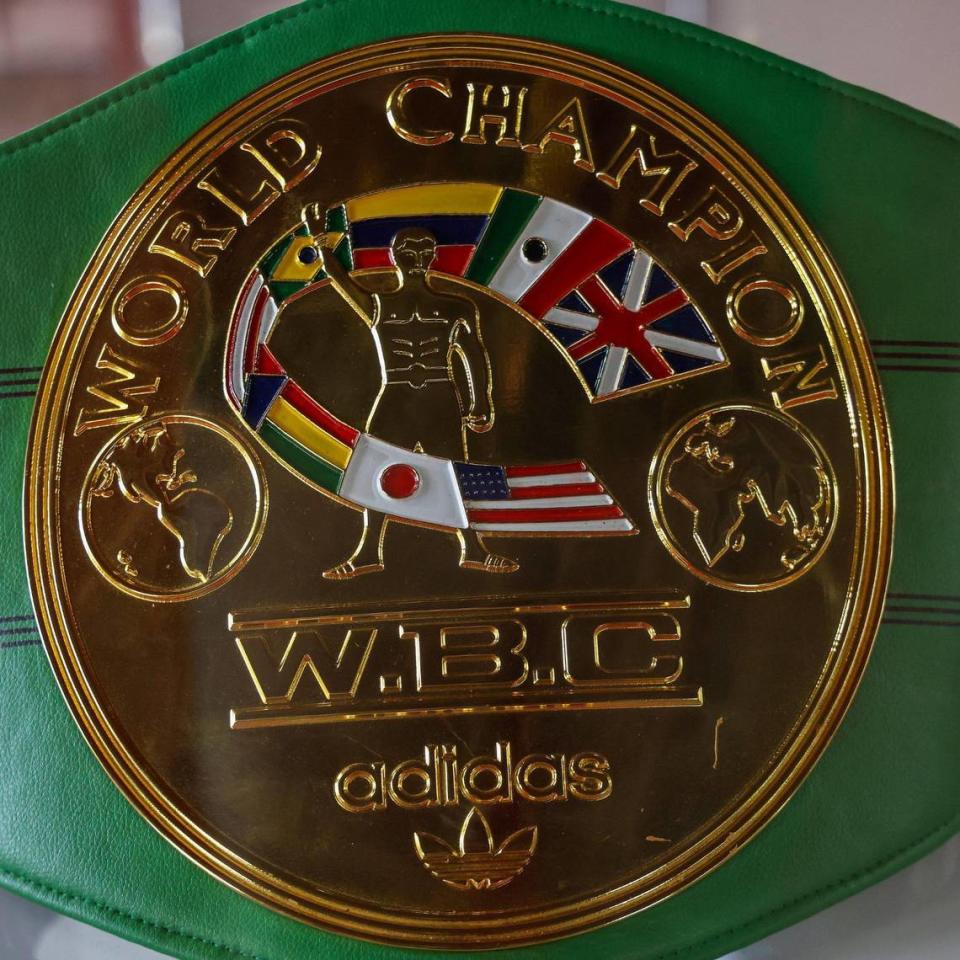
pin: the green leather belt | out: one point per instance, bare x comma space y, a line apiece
876, 179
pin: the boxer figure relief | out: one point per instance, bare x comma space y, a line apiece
425, 340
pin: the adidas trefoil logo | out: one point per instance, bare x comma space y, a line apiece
476, 863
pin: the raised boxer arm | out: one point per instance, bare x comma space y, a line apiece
360, 300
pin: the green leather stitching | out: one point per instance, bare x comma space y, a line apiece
944, 831
941, 833
43, 888
770, 61
122, 920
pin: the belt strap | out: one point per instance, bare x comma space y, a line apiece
873, 176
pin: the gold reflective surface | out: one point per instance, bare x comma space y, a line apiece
517, 567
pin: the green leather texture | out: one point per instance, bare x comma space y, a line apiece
878, 181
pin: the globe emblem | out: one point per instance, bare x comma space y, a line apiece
743, 497
172, 508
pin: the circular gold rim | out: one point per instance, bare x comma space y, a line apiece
861, 615
665, 532
243, 553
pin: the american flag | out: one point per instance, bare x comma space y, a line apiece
546, 498
630, 324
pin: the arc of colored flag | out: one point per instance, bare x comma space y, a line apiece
336, 457
565, 268
620, 318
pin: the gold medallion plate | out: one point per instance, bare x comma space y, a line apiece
459, 497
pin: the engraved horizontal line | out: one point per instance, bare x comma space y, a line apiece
18, 393
20, 382
477, 872
248, 718
4, 370
447, 613
497, 863
13, 631
10, 644
897, 608
491, 864
247, 620
948, 597
648, 684
916, 343
917, 368
491, 867
913, 355
454, 863
462, 861
18, 617
921, 623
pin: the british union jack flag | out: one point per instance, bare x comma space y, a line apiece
630, 324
